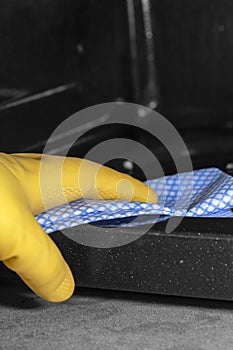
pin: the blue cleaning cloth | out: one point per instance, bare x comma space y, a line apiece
202, 193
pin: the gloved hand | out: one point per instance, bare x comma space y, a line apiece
24, 247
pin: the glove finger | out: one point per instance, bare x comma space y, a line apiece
102, 182
82, 178
58, 179
37, 260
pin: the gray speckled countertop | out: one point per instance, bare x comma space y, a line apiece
100, 319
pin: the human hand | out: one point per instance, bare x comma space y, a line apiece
24, 247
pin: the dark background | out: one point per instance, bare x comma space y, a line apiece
176, 55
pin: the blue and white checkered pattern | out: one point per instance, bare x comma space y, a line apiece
204, 193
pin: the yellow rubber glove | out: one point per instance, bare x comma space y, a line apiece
24, 247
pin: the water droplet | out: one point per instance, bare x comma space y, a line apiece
127, 164
221, 28
153, 104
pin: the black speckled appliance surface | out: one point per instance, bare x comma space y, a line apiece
196, 260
